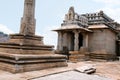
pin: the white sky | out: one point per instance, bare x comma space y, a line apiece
50, 14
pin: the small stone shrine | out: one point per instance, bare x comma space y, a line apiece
88, 36
26, 51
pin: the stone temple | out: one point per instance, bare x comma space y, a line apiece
26, 51
88, 36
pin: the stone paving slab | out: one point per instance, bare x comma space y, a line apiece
72, 75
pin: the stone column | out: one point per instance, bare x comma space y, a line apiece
28, 21
65, 40
85, 40
76, 40
60, 40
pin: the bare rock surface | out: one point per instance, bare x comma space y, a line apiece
72, 75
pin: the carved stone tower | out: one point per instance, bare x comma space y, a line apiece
26, 51
71, 14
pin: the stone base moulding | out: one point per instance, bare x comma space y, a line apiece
17, 63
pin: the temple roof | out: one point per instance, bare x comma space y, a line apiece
88, 20
72, 27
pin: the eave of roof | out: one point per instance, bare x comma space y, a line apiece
72, 27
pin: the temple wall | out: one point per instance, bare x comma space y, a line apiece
102, 40
110, 41
70, 40
96, 40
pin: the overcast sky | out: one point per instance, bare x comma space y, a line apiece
50, 14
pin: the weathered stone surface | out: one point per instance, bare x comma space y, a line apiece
102, 41
75, 56
16, 63
28, 21
25, 48
103, 55
110, 70
26, 39
88, 69
71, 75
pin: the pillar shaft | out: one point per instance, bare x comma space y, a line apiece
86, 40
60, 40
76, 40
28, 21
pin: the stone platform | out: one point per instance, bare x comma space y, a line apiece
25, 48
26, 39
101, 56
27, 53
76, 56
16, 63
26, 44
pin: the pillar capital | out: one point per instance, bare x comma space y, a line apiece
76, 31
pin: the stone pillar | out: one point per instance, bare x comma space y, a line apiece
65, 39
28, 21
60, 40
85, 40
76, 40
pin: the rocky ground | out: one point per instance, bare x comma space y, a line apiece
105, 69
72, 75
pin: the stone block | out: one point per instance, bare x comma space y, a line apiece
88, 69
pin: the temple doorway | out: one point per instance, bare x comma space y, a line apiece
72, 41
118, 48
80, 40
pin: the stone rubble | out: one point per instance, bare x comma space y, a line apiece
88, 69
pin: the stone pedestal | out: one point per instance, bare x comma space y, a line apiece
28, 53
17, 63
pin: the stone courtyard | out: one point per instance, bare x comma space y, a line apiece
106, 70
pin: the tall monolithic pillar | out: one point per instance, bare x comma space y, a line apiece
28, 21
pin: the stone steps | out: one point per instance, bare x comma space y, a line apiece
17, 63
76, 57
